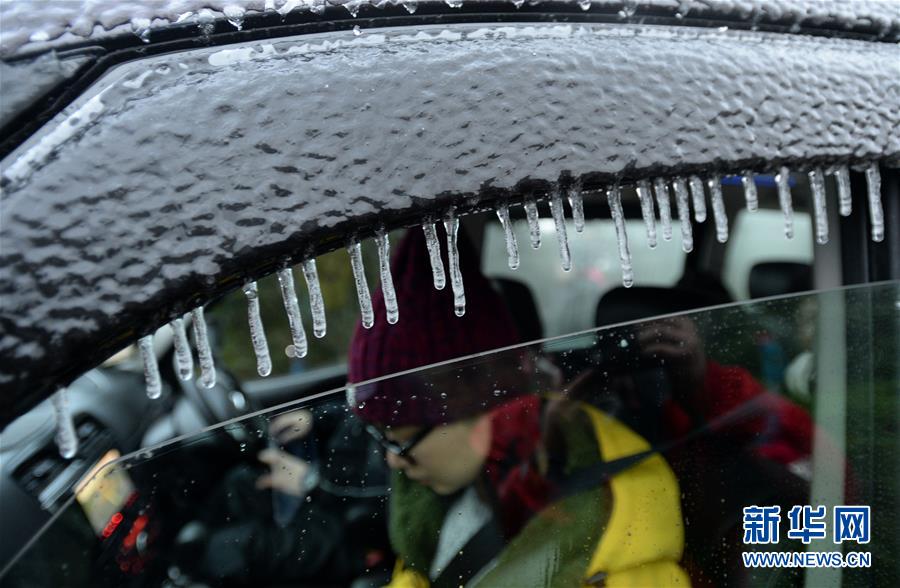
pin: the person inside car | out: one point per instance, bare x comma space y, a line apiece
495, 481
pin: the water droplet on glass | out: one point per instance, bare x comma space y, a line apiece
184, 360
451, 224
151, 368
299, 344
682, 204
614, 197
662, 204
559, 221
316, 301
876, 213
817, 185
204, 351
387, 281
783, 180
66, 438
646, 199
718, 206
257, 332
434, 255
454, 3
534, 226
584, 4
699, 198
411, 6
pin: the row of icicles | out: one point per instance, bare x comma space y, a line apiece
652, 195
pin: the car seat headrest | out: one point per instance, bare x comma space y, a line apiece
779, 277
639, 302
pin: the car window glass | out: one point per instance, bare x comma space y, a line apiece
653, 435
567, 301
759, 237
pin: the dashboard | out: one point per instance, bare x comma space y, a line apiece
112, 416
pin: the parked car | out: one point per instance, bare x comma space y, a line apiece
714, 192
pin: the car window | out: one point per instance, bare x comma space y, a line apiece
640, 446
759, 237
567, 301
228, 318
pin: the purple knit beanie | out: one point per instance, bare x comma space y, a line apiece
429, 332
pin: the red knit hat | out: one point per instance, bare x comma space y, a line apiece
429, 332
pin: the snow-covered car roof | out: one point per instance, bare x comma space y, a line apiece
28, 26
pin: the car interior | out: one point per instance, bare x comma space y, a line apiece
198, 438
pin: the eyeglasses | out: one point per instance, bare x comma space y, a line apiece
399, 449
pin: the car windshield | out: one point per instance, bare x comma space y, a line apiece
651, 451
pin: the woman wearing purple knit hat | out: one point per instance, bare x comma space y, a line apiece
492, 483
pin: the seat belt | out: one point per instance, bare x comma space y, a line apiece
592, 476
478, 552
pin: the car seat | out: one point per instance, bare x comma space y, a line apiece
522, 307
772, 278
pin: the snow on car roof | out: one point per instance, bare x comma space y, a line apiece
28, 26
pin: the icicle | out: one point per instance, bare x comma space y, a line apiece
204, 351
299, 345
257, 332
699, 199
817, 185
559, 220
876, 213
842, 176
434, 254
66, 437
783, 179
643, 192
665, 210
512, 247
534, 227
451, 224
151, 368
316, 302
577, 205
718, 206
750, 194
684, 214
184, 361
614, 197
362, 288
387, 281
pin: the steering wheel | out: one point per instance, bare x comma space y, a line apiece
226, 401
